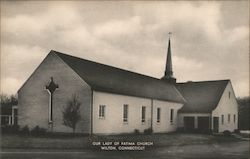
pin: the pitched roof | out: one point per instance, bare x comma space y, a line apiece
114, 80
201, 97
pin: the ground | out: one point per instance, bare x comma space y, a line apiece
176, 146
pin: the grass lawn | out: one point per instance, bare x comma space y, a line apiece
80, 142
23, 141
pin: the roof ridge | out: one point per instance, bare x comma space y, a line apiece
204, 81
56, 52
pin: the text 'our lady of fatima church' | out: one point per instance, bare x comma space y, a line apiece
115, 100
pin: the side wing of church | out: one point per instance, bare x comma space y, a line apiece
211, 105
115, 101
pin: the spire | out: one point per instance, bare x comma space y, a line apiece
168, 75
168, 69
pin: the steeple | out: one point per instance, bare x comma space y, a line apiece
168, 75
168, 69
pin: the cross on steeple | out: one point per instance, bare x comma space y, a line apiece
168, 75
51, 87
169, 34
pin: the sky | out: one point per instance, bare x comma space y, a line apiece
210, 39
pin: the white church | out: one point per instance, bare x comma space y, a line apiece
116, 101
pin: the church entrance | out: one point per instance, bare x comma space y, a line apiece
216, 124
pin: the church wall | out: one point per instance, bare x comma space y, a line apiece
165, 108
113, 123
227, 106
33, 106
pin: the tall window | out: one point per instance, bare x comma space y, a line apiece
171, 115
158, 115
228, 118
229, 94
222, 119
125, 113
234, 118
101, 111
143, 114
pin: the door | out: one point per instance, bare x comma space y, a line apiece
189, 124
215, 124
203, 124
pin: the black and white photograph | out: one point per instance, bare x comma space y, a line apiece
124, 79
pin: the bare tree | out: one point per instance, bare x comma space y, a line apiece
71, 113
8, 100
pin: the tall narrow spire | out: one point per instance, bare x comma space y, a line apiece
168, 75
168, 69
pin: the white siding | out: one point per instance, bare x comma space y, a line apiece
113, 121
165, 125
227, 106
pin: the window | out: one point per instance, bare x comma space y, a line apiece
125, 113
158, 115
229, 94
234, 118
228, 118
171, 115
101, 111
143, 114
222, 119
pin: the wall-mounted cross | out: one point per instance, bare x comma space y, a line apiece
51, 87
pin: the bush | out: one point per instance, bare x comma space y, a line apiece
210, 131
38, 131
236, 131
148, 131
136, 132
25, 130
227, 133
181, 130
10, 129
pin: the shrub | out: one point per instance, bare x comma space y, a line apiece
25, 130
210, 131
236, 131
181, 130
227, 133
148, 131
38, 131
10, 129
136, 131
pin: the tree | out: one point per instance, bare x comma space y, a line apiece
71, 113
244, 113
8, 100
6, 103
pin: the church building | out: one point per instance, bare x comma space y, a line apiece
115, 101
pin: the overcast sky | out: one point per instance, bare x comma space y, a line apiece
210, 40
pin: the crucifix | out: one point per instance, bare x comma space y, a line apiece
51, 87
169, 34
